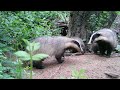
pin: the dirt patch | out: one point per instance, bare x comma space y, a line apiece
95, 67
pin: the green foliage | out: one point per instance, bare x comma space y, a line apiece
117, 48
118, 12
28, 56
98, 21
76, 74
79, 74
39, 57
63, 15
8, 68
14, 26
23, 55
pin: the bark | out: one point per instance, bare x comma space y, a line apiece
78, 23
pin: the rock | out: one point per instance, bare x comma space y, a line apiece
112, 76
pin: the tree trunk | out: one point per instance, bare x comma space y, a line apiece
116, 24
78, 23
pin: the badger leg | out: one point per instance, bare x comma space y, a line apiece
102, 51
38, 65
95, 51
109, 51
59, 57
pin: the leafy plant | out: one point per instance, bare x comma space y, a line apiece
29, 56
76, 74
117, 48
98, 21
14, 26
7, 67
118, 12
79, 74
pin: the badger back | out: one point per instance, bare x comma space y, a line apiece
55, 45
48, 45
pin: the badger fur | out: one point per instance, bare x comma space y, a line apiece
81, 43
94, 47
104, 41
55, 46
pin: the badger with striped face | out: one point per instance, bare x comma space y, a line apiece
81, 44
55, 46
103, 41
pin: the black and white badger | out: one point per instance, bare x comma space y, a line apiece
56, 46
104, 41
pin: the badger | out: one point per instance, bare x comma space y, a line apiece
81, 43
94, 47
55, 46
103, 41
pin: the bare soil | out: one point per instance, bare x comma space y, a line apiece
95, 66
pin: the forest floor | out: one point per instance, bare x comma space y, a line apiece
95, 66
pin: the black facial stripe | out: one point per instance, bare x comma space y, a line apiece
76, 43
95, 36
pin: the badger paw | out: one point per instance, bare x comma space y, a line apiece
40, 67
60, 60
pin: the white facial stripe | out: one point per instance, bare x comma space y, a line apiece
91, 38
81, 48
